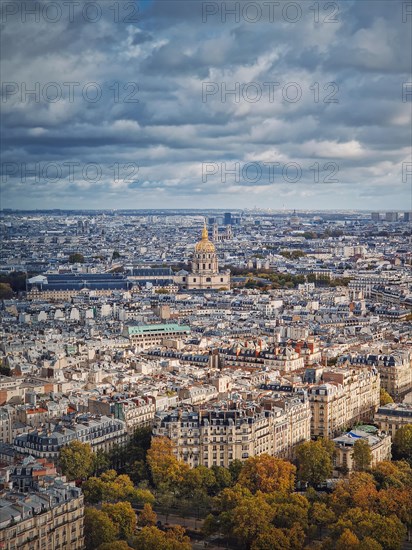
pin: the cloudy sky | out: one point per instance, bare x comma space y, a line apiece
171, 103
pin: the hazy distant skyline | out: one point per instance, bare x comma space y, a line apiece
337, 93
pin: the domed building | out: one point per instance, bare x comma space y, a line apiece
205, 268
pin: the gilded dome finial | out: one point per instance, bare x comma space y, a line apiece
205, 234
204, 245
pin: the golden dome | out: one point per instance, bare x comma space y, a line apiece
205, 246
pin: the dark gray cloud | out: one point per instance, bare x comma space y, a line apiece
330, 91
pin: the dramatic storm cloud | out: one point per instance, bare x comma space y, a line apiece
145, 104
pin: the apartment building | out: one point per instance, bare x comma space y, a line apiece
395, 370
343, 398
45, 512
391, 417
101, 432
217, 437
135, 412
285, 359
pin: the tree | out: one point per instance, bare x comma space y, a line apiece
223, 478
359, 491
347, 541
249, 518
387, 531
289, 509
76, 258
402, 443
267, 474
115, 255
76, 460
362, 455
368, 543
271, 538
197, 479
110, 487
16, 280
164, 466
314, 462
147, 516
385, 398
396, 501
123, 516
235, 467
101, 462
152, 538
321, 516
115, 545
6, 291
393, 474
98, 528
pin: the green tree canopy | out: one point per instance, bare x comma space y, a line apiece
385, 398
98, 528
402, 443
110, 487
123, 516
76, 460
314, 462
115, 545
6, 291
76, 258
152, 538
147, 516
362, 455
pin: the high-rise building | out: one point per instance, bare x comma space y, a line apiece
228, 218
375, 216
391, 216
407, 216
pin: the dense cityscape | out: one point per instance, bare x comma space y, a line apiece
177, 379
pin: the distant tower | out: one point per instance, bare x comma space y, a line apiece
215, 233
